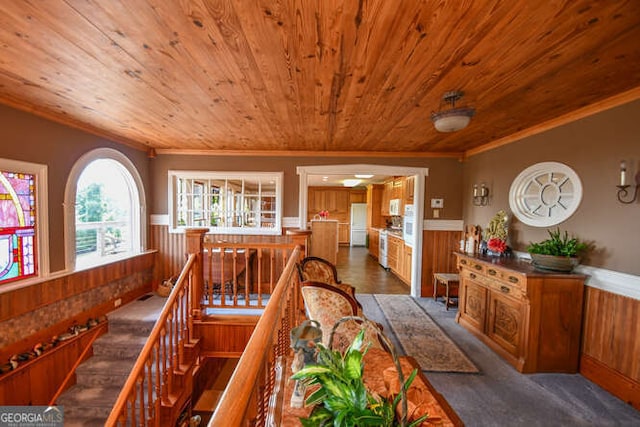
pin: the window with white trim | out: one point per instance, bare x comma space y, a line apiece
226, 202
23, 226
106, 207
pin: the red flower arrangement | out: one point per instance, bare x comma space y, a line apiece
496, 245
324, 214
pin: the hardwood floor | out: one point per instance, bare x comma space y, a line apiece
358, 269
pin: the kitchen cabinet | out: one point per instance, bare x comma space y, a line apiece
398, 188
374, 205
357, 196
532, 319
344, 233
387, 195
324, 240
394, 245
408, 189
407, 253
393, 189
336, 200
374, 242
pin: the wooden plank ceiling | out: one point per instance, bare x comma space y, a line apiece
315, 76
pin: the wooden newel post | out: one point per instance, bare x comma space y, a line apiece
195, 243
300, 237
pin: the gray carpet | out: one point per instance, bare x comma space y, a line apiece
501, 396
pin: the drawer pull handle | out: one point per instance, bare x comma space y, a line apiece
505, 289
513, 279
473, 276
492, 272
463, 261
477, 267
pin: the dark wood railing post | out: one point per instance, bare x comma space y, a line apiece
194, 243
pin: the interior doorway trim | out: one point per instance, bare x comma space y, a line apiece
419, 190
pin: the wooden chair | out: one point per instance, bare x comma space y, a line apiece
327, 304
320, 270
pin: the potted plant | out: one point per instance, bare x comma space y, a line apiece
557, 253
342, 398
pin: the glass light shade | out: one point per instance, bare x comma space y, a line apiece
350, 182
452, 120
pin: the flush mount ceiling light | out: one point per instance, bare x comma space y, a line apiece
350, 182
453, 119
363, 176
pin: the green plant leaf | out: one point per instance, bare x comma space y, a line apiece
310, 371
357, 342
353, 365
317, 396
318, 417
558, 244
335, 388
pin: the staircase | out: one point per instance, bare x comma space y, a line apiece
101, 377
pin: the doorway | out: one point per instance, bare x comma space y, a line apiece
420, 174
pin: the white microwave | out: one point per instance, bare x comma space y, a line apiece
394, 207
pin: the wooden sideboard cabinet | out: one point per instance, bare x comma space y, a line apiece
532, 319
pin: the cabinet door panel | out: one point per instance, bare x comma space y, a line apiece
505, 322
475, 303
344, 233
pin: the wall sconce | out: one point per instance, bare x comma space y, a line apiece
480, 195
623, 188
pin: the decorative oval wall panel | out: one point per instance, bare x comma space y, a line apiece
545, 194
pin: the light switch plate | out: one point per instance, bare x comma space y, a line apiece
437, 203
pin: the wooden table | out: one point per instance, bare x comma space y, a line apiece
379, 369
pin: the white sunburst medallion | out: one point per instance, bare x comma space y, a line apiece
545, 194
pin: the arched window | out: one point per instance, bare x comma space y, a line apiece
105, 210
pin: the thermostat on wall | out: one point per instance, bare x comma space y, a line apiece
437, 203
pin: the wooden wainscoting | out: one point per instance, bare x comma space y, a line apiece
171, 252
611, 344
224, 335
36, 381
437, 256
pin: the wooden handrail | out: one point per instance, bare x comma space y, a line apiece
160, 353
77, 363
249, 390
241, 274
157, 388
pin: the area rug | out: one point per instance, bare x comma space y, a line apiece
421, 338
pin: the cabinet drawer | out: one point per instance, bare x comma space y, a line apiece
511, 278
506, 289
472, 265
496, 282
476, 276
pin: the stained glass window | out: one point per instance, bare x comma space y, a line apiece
17, 226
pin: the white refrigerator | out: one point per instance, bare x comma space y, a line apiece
358, 224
